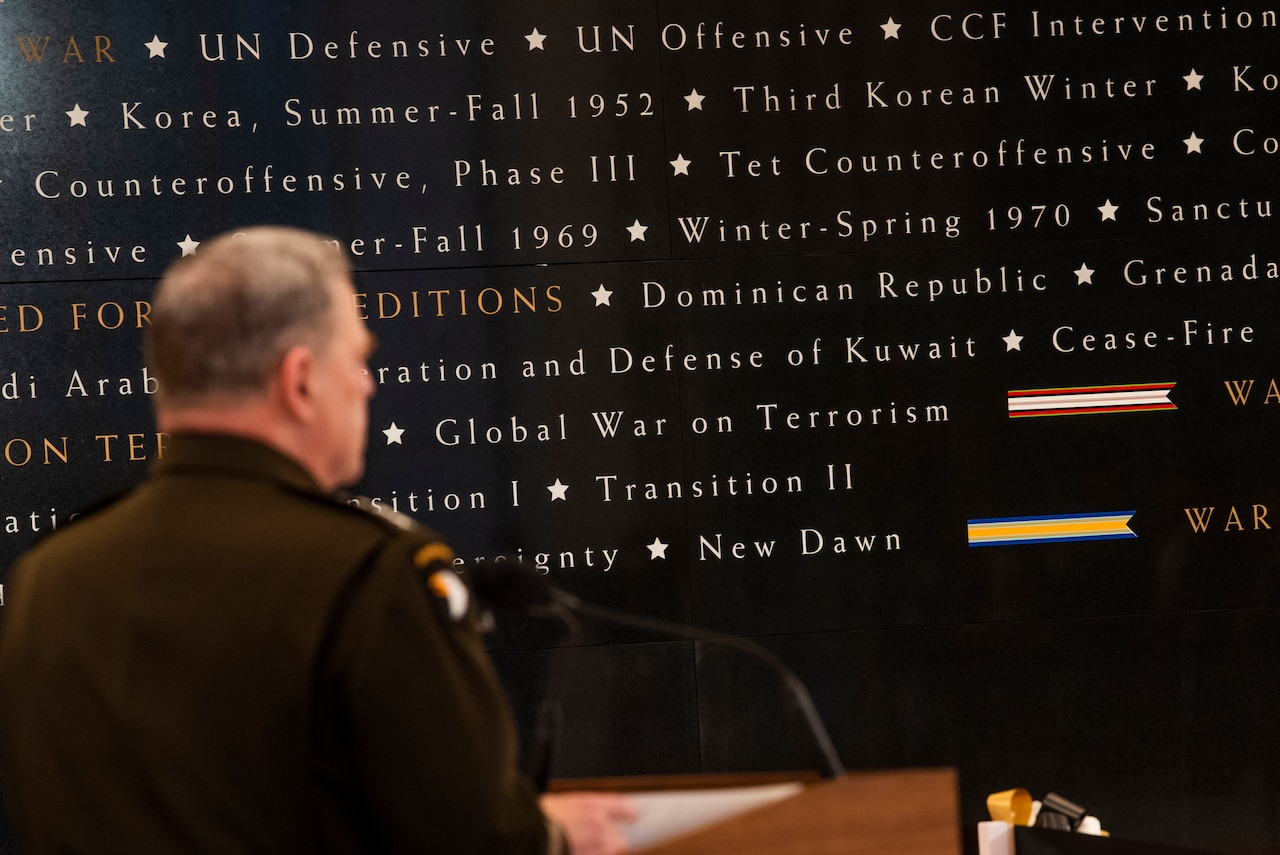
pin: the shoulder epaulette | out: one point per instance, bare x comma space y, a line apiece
398, 522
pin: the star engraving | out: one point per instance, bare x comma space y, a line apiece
637, 231
156, 47
1084, 276
558, 491
602, 295
393, 434
77, 116
680, 166
536, 39
694, 99
1108, 211
890, 28
188, 245
1193, 144
1012, 341
1193, 80
657, 549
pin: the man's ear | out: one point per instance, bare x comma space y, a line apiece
295, 377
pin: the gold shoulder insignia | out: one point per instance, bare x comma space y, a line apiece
432, 553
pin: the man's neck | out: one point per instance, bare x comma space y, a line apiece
251, 419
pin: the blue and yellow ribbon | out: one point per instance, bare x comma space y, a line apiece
1053, 528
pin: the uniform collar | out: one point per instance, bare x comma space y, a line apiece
233, 457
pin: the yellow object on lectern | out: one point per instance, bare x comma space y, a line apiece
1011, 806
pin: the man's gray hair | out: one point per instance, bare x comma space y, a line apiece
223, 318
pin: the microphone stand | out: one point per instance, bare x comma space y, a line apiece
550, 726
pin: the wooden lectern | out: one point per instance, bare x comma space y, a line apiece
900, 812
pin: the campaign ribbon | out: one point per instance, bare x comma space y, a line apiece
1055, 528
1084, 400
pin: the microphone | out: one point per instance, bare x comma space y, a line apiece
511, 585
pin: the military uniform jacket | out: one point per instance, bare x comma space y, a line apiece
226, 661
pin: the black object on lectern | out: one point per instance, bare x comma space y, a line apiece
1043, 841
